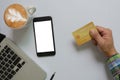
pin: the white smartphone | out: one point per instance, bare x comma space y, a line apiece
44, 36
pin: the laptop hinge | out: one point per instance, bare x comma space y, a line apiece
2, 36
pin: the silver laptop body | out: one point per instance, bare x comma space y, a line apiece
15, 64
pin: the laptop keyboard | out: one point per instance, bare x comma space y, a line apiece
10, 63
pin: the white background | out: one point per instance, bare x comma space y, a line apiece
70, 62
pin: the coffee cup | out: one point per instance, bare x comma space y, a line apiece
17, 16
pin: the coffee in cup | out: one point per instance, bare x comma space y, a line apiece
16, 16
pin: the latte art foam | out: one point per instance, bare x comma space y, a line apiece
15, 16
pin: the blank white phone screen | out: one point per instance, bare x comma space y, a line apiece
44, 37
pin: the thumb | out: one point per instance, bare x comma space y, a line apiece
96, 36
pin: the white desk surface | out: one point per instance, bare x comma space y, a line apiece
70, 62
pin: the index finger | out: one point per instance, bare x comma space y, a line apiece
100, 28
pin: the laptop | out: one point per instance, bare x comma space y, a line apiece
15, 64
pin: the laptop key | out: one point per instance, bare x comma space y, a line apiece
11, 53
17, 70
6, 73
1, 71
13, 72
6, 59
17, 60
12, 66
7, 50
19, 65
4, 68
9, 61
3, 76
9, 76
4, 54
6, 47
1, 58
23, 62
14, 57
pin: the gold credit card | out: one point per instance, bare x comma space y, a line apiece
82, 35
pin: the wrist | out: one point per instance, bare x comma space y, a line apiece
111, 53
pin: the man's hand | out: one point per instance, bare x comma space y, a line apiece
103, 38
